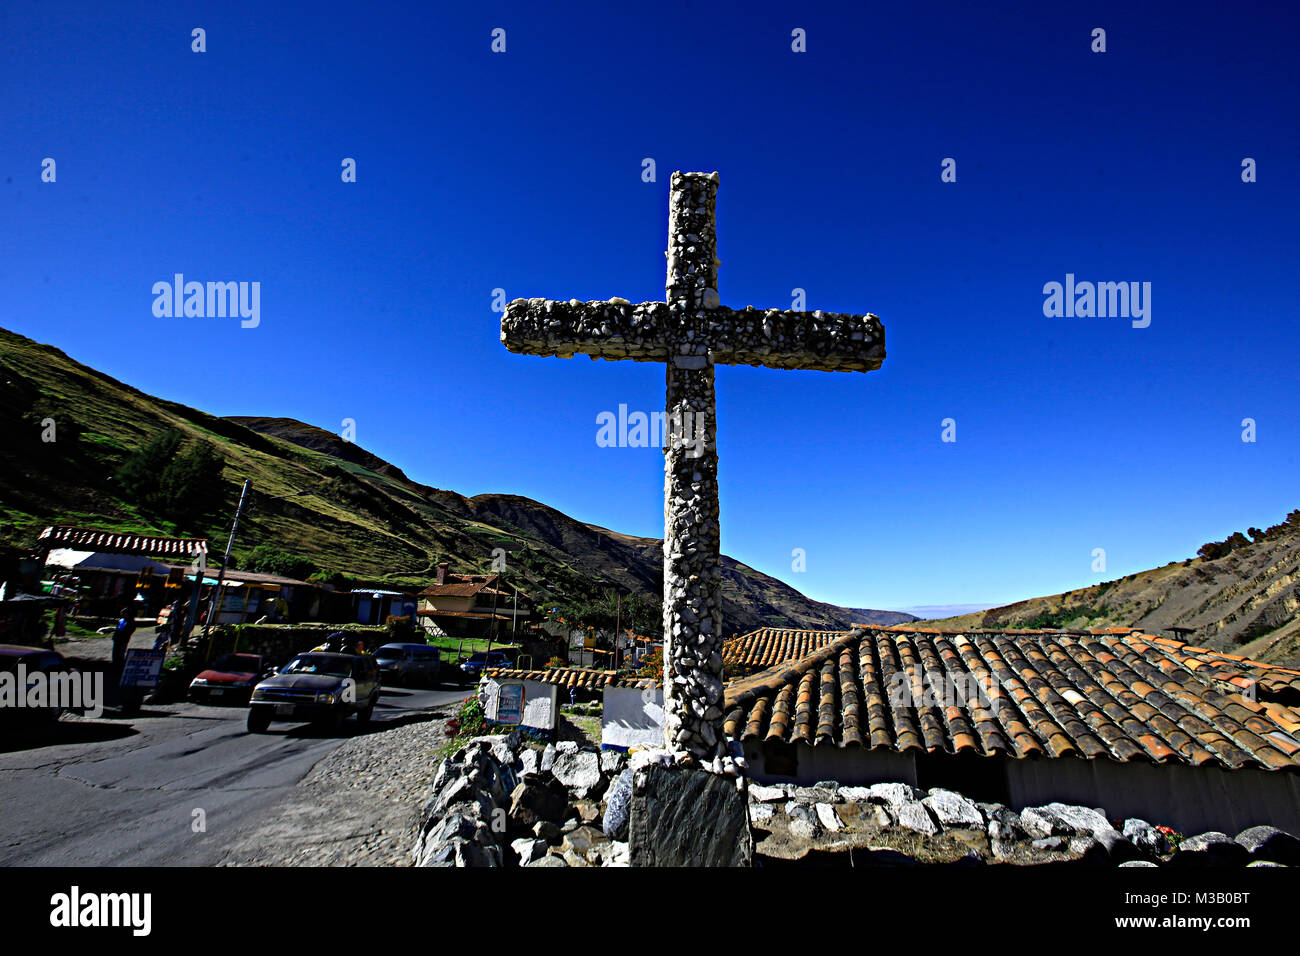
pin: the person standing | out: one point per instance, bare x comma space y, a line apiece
122, 637
61, 620
167, 632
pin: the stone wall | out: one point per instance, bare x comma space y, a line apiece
1191, 799
501, 801
894, 824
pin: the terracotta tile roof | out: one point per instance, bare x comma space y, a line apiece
1231, 672
114, 542
463, 586
579, 678
502, 615
1116, 693
769, 646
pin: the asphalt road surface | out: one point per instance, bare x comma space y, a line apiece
123, 792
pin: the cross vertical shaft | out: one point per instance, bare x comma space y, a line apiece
692, 574
691, 332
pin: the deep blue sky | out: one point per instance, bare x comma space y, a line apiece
522, 171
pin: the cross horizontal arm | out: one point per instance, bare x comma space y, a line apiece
615, 329
651, 332
816, 341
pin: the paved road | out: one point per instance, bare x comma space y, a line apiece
123, 792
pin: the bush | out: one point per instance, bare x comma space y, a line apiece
652, 665
402, 630
334, 579
271, 560
469, 721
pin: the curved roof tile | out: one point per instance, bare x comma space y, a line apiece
1115, 693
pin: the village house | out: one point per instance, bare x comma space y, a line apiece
471, 605
110, 569
1143, 726
375, 605
769, 646
249, 596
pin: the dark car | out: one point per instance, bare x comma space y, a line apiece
33, 660
409, 664
472, 669
323, 688
230, 679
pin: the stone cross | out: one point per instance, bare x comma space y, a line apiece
691, 333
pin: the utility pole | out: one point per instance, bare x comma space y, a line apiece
492, 631
221, 576
200, 565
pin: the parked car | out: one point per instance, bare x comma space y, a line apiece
231, 678
34, 660
409, 664
472, 670
323, 688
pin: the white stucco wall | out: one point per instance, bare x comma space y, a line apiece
632, 717
540, 702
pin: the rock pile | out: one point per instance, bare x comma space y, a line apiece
896, 824
500, 801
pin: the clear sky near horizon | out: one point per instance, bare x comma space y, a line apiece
522, 171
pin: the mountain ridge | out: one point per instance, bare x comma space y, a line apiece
1245, 601
363, 515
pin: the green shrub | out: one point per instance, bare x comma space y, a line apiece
402, 630
269, 559
469, 721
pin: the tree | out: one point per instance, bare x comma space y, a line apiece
138, 476
608, 611
164, 482
191, 486
1213, 549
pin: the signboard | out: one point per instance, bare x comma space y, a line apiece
510, 704
142, 668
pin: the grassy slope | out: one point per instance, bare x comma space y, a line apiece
363, 517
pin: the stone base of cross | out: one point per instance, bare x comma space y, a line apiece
691, 332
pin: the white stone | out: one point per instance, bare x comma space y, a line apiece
893, 794
913, 816
828, 818
763, 794
855, 794
580, 772
953, 810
